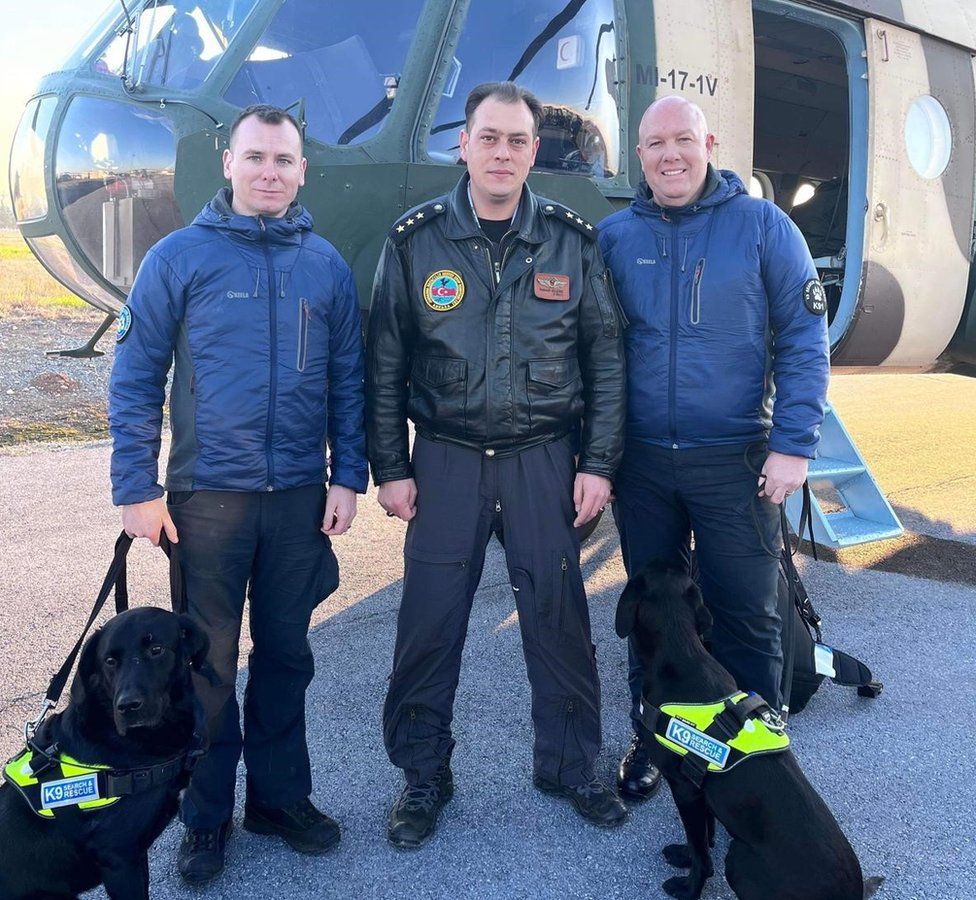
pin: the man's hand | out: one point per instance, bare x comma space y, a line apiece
590, 494
781, 476
399, 498
340, 510
147, 520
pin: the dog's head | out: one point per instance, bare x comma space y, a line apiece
661, 600
137, 665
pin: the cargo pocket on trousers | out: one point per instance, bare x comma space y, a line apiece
568, 599
526, 603
328, 579
442, 575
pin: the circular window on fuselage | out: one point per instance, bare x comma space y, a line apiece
928, 137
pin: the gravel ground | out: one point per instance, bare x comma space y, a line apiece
52, 398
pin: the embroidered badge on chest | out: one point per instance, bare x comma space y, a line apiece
551, 287
444, 290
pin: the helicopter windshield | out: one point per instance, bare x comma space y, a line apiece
567, 58
339, 71
174, 43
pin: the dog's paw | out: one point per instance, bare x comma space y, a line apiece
683, 888
677, 855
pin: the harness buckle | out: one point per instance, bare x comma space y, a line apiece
30, 727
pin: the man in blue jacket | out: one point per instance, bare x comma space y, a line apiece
724, 305
259, 318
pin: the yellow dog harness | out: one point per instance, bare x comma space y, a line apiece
715, 737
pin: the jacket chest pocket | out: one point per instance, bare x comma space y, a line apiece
312, 337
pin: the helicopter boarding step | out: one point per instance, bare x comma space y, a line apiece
847, 505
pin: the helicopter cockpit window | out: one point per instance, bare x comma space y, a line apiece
115, 166
567, 58
27, 160
174, 43
338, 70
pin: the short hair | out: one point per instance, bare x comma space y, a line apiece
271, 115
506, 92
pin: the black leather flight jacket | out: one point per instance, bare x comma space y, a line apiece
498, 359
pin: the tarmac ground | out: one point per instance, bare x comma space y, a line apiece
898, 772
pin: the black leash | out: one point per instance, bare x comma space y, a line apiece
115, 578
798, 597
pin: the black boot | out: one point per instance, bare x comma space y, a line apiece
201, 854
414, 815
594, 801
637, 778
303, 827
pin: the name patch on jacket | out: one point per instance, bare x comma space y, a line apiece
814, 297
444, 290
69, 791
551, 287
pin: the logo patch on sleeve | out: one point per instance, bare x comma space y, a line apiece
444, 290
814, 297
551, 287
125, 324
69, 791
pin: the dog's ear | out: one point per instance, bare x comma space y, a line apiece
196, 646
88, 675
626, 617
703, 618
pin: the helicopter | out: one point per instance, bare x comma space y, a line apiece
858, 118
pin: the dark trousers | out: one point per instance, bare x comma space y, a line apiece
463, 496
664, 495
269, 547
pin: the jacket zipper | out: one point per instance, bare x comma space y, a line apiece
673, 365
696, 292
304, 321
273, 328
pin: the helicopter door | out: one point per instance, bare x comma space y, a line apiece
920, 199
704, 52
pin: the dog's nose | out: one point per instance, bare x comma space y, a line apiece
126, 704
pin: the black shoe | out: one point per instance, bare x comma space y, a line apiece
201, 853
414, 815
594, 801
303, 827
637, 778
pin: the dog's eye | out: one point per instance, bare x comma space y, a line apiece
110, 662
155, 650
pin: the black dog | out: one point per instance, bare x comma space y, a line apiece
785, 842
133, 709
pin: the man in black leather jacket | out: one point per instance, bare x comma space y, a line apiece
494, 328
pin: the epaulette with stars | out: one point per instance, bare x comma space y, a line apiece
411, 221
570, 217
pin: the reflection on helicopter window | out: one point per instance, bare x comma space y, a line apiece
339, 71
567, 59
115, 166
27, 160
174, 43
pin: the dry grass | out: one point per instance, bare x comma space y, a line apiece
25, 286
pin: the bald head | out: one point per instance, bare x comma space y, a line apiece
674, 148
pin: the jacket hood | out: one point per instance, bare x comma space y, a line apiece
720, 185
219, 213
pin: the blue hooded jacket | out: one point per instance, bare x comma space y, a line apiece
262, 319
715, 294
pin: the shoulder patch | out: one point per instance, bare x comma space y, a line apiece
814, 297
411, 221
570, 217
125, 324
